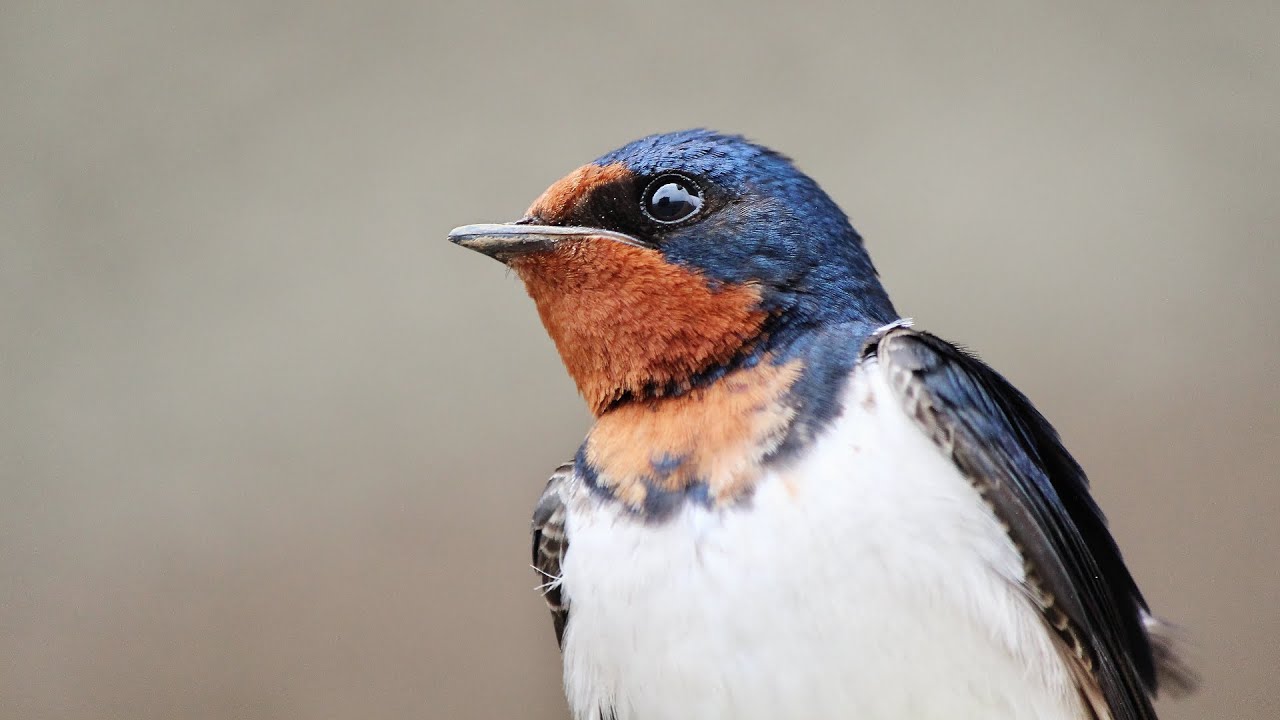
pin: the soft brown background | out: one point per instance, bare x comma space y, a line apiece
269, 444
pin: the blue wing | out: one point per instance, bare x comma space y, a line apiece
1015, 458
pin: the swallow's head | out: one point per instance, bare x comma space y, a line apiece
677, 257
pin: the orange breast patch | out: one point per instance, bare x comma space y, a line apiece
716, 436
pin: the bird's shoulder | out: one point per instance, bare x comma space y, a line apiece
1016, 461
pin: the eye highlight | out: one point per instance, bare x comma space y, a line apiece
671, 198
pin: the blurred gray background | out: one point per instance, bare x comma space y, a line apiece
269, 444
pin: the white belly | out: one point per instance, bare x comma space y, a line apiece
866, 581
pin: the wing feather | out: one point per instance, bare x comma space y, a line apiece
550, 544
1015, 459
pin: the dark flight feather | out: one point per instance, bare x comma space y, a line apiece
550, 544
1015, 459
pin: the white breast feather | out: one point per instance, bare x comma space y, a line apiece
867, 580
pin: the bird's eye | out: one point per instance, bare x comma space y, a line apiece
672, 198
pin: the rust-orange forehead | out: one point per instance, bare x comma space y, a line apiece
559, 200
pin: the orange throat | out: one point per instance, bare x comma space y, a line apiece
629, 324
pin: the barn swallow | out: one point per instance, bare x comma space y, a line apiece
792, 503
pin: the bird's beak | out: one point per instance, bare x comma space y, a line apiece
507, 241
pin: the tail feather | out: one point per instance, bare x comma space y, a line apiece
1174, 675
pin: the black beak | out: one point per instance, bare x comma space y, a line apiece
507, 241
